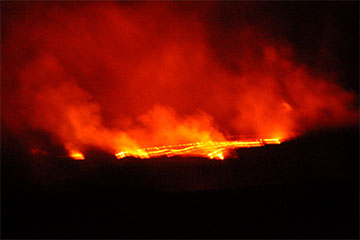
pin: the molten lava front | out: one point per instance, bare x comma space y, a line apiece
212, 150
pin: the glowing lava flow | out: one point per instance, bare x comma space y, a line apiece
212, 150
77, 155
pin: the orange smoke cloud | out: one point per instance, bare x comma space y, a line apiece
122, 76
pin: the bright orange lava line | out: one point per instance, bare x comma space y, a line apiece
212, 150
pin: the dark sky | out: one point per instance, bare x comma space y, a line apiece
324, 34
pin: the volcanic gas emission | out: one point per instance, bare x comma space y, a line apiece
151, 79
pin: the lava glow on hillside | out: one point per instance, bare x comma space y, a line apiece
150, 79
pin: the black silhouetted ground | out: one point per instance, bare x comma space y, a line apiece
304, 188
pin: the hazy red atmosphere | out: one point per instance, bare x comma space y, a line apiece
122, 76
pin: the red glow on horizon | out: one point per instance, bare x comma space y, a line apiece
37, 151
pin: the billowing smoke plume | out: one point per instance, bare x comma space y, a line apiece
119, 76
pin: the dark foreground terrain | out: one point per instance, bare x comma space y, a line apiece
304, 188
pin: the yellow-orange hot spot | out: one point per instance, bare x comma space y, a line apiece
120, 155
77, 155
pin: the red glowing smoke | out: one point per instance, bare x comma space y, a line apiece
119, 76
